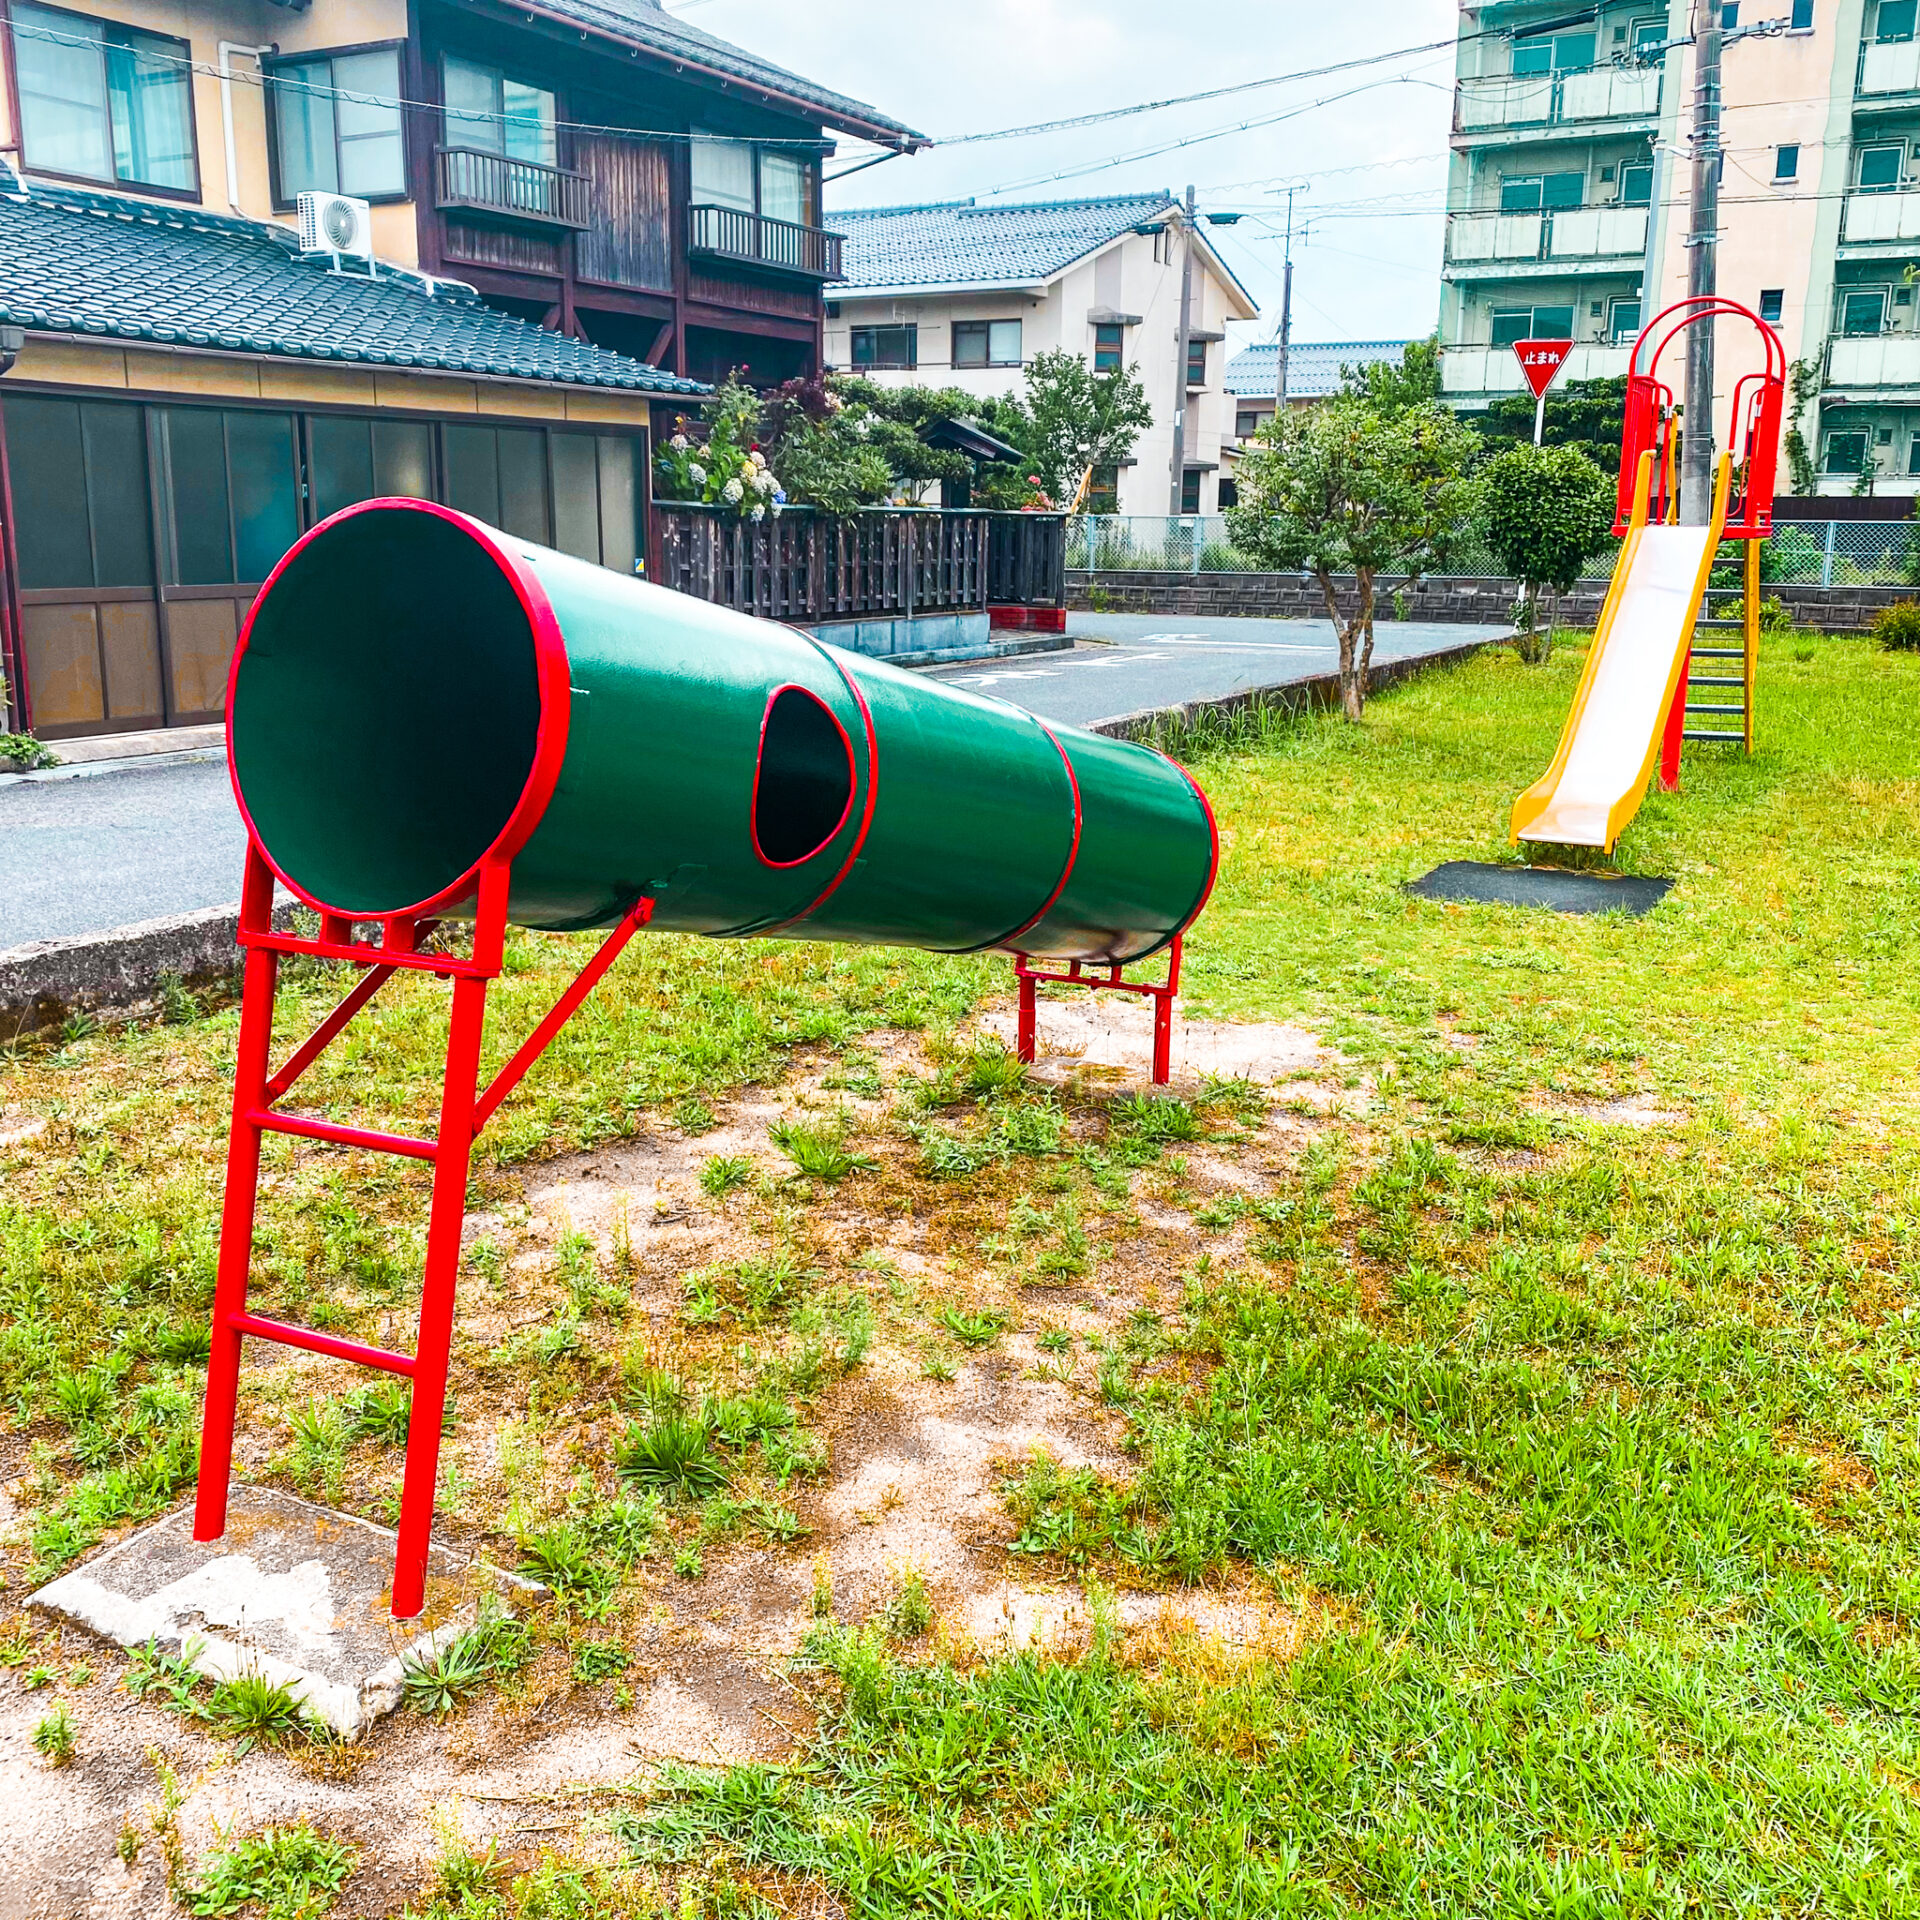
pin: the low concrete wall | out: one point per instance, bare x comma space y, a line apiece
1284, 596
1292, 696
44, 982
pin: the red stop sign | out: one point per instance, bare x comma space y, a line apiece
1540, 360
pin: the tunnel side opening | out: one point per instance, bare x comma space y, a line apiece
386, 711
803, 782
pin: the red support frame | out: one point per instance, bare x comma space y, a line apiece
1102, 980
464, 1110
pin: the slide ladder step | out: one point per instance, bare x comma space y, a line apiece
1715, 680
1694, 706
1719, 653
1702, 733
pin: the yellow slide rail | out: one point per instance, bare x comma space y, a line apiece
1538, 797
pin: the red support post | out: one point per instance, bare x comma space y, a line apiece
1676, 727
1162, 995
1029, 1013
236, 1218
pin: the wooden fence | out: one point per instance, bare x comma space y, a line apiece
882, 562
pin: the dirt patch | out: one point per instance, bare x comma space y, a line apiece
1624, 1110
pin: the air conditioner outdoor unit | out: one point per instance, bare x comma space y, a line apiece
336, 223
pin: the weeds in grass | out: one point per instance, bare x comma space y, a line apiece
934, 1365
257, 1709
725, 1173
650, 1389
820, 1598
909, 1609
993, 1069
170, 1679
819, 1153
383, 1412
599, 1660
673, 1452
687, 1561
495, 1647
283, 1873
973, 1327
54, 1739
1157, 1117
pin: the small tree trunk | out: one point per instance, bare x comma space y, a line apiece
1363, 672
1344, 631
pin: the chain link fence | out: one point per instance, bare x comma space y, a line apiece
1827, 553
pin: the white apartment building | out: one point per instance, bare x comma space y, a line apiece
1568, 191
964, 295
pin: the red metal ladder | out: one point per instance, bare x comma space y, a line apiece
464, 1110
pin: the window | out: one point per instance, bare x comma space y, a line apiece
1531, 323
1196, 363
1229, 494
102, 101
80, 493
1865, 312
1883, 436
1730, 16
232, 492
1846, 452
1103, 490
351, 458
329, 136
1636, 185
1894, 20
1623, 321
1877, 169
1109, 346
1801, 19
1648, 34
487, 112
1245, 425
775, 183
1190, 490
1529, 192
986, 343
1771, 300
1553, 54
885, 347
1913, 455
1786, 163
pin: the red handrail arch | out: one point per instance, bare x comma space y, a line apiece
1754, 438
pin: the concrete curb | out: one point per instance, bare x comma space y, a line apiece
1286, 696
46, 981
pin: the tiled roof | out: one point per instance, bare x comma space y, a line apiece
100, 264
644, 23
957, 243
1313, 368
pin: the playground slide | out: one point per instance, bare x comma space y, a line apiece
1641, 641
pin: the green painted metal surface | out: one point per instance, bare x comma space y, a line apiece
391, 696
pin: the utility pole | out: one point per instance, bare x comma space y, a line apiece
1696, 446
1180, 361
1286, 308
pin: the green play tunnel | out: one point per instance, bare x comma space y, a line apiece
415, 693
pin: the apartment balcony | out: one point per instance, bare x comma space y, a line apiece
492, 185
1488, 104
1494, 242
1873, 361
1878, 220
1888, 72
728, 233
1465, 370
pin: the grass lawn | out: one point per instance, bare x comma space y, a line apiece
1558, 1389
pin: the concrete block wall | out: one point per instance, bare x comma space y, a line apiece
1488, 600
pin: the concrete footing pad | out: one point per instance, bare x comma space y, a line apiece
294, 1592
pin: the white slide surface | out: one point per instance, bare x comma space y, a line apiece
1612, 738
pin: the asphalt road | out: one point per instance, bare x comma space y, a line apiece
1125, 662
84, 853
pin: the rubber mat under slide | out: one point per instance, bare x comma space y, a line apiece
1551, 887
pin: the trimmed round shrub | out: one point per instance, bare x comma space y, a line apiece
1896, 629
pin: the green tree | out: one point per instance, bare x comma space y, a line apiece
1548, 512
1343, 489
1589, 416
1392, 386
1075, 419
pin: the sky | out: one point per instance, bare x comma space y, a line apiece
1368, 145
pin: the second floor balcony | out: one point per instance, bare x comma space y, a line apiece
1873, 217
1495, 370
732, 233
1891, 68
491, 184
1875, 360
1572, 233
1491, 103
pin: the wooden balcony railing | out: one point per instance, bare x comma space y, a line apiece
730, 234
884, 561
526, 190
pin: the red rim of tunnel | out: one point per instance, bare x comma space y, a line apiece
1213, 834
553, 683
873, 787
759, 760
1006, 940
